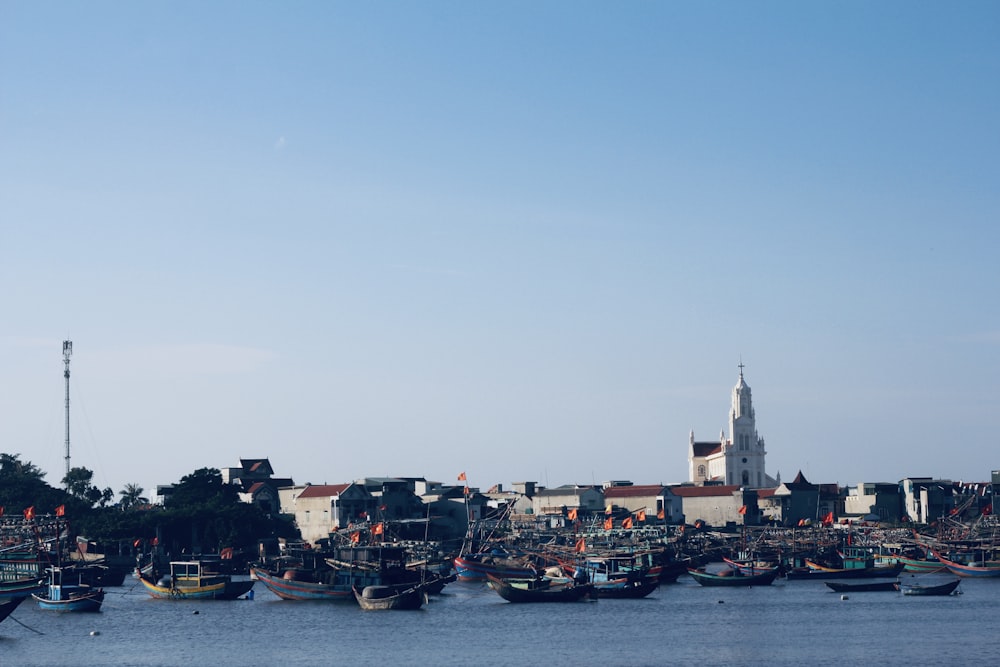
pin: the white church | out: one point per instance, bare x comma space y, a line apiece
737, 460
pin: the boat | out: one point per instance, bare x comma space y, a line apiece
540, 589
626, 587
20, 588
920, 564
498, 563
819, 572
189, 580
867, 587
750, 567
60, 596
332, 575
8, 605
984, 569
372, 598
733, 578
921, 589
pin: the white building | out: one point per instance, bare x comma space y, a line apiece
739, 459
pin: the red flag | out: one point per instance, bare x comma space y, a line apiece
461, 476
465, 490
355, 537
382, 508
61, 510
29, 513
608, 524
378, 529
828, 519
137, 542
661, 514
1, 510
362, 514
581, 546
743, 510
571, 515
155, 541
226, 554
988, 510
641, 516
627, 523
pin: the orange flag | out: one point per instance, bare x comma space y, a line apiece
661, 514
355, 537
465, 490
743, 510
378, 529
61, 510
29, 513
641, 516
581, 546
627, 523
461, 476
607, 510
608, 524
571, 515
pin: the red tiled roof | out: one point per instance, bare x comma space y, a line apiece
633, 491
323, 490
706, 448
765, 493
703, 491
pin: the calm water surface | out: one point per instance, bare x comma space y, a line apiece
789, 623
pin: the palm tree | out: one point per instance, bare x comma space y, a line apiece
131, 496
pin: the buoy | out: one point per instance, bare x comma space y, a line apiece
843, 597
722, 602
94, 633
196, 612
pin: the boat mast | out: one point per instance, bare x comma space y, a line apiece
67, 353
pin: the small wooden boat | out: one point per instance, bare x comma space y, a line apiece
479, 566
60, 596
8, 605
733, 578
920, 589
821, 572
626, 587
866, 587
540, 589
390, 597
188, 580
750, 567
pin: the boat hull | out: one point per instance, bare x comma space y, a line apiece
511, 590
479, 567
8, 605
291, 589
381, 598
81, 602
226, 590
874, 586
917, 589
735, 579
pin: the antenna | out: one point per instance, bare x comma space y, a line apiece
67, 353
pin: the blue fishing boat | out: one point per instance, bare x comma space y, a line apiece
60, 596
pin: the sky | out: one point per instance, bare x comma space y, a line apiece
529, 241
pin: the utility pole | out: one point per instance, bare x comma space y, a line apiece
67, 353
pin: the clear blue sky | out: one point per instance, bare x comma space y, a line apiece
527, 240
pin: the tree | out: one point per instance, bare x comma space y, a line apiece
78, 482
132, 497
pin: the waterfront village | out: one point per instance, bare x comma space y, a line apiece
388, 543
728, 487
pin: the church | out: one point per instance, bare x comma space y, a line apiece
738, 460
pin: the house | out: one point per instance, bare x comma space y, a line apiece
879, 498
926, 499
257, 483
791, 502
651, 499
717, 505
558, 500
320, 509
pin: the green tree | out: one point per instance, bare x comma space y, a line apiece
132, 497
78, 482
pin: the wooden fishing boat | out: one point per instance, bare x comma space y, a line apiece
60, 596
868, 587
390, 597
985, 569
750, 567
539, 589
920, 564
479, 566
733, 578
626, 587
188, 580
948, 588
821, 572
8, 605
20, 588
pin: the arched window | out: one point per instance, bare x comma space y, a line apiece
701, 472
746, 478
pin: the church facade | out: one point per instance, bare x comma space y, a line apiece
737, 460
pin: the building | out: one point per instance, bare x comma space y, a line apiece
737, 460
880, 499
652, 499
570, 496
792, 502
320, 509
717, 505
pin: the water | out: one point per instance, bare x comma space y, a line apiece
789, 623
